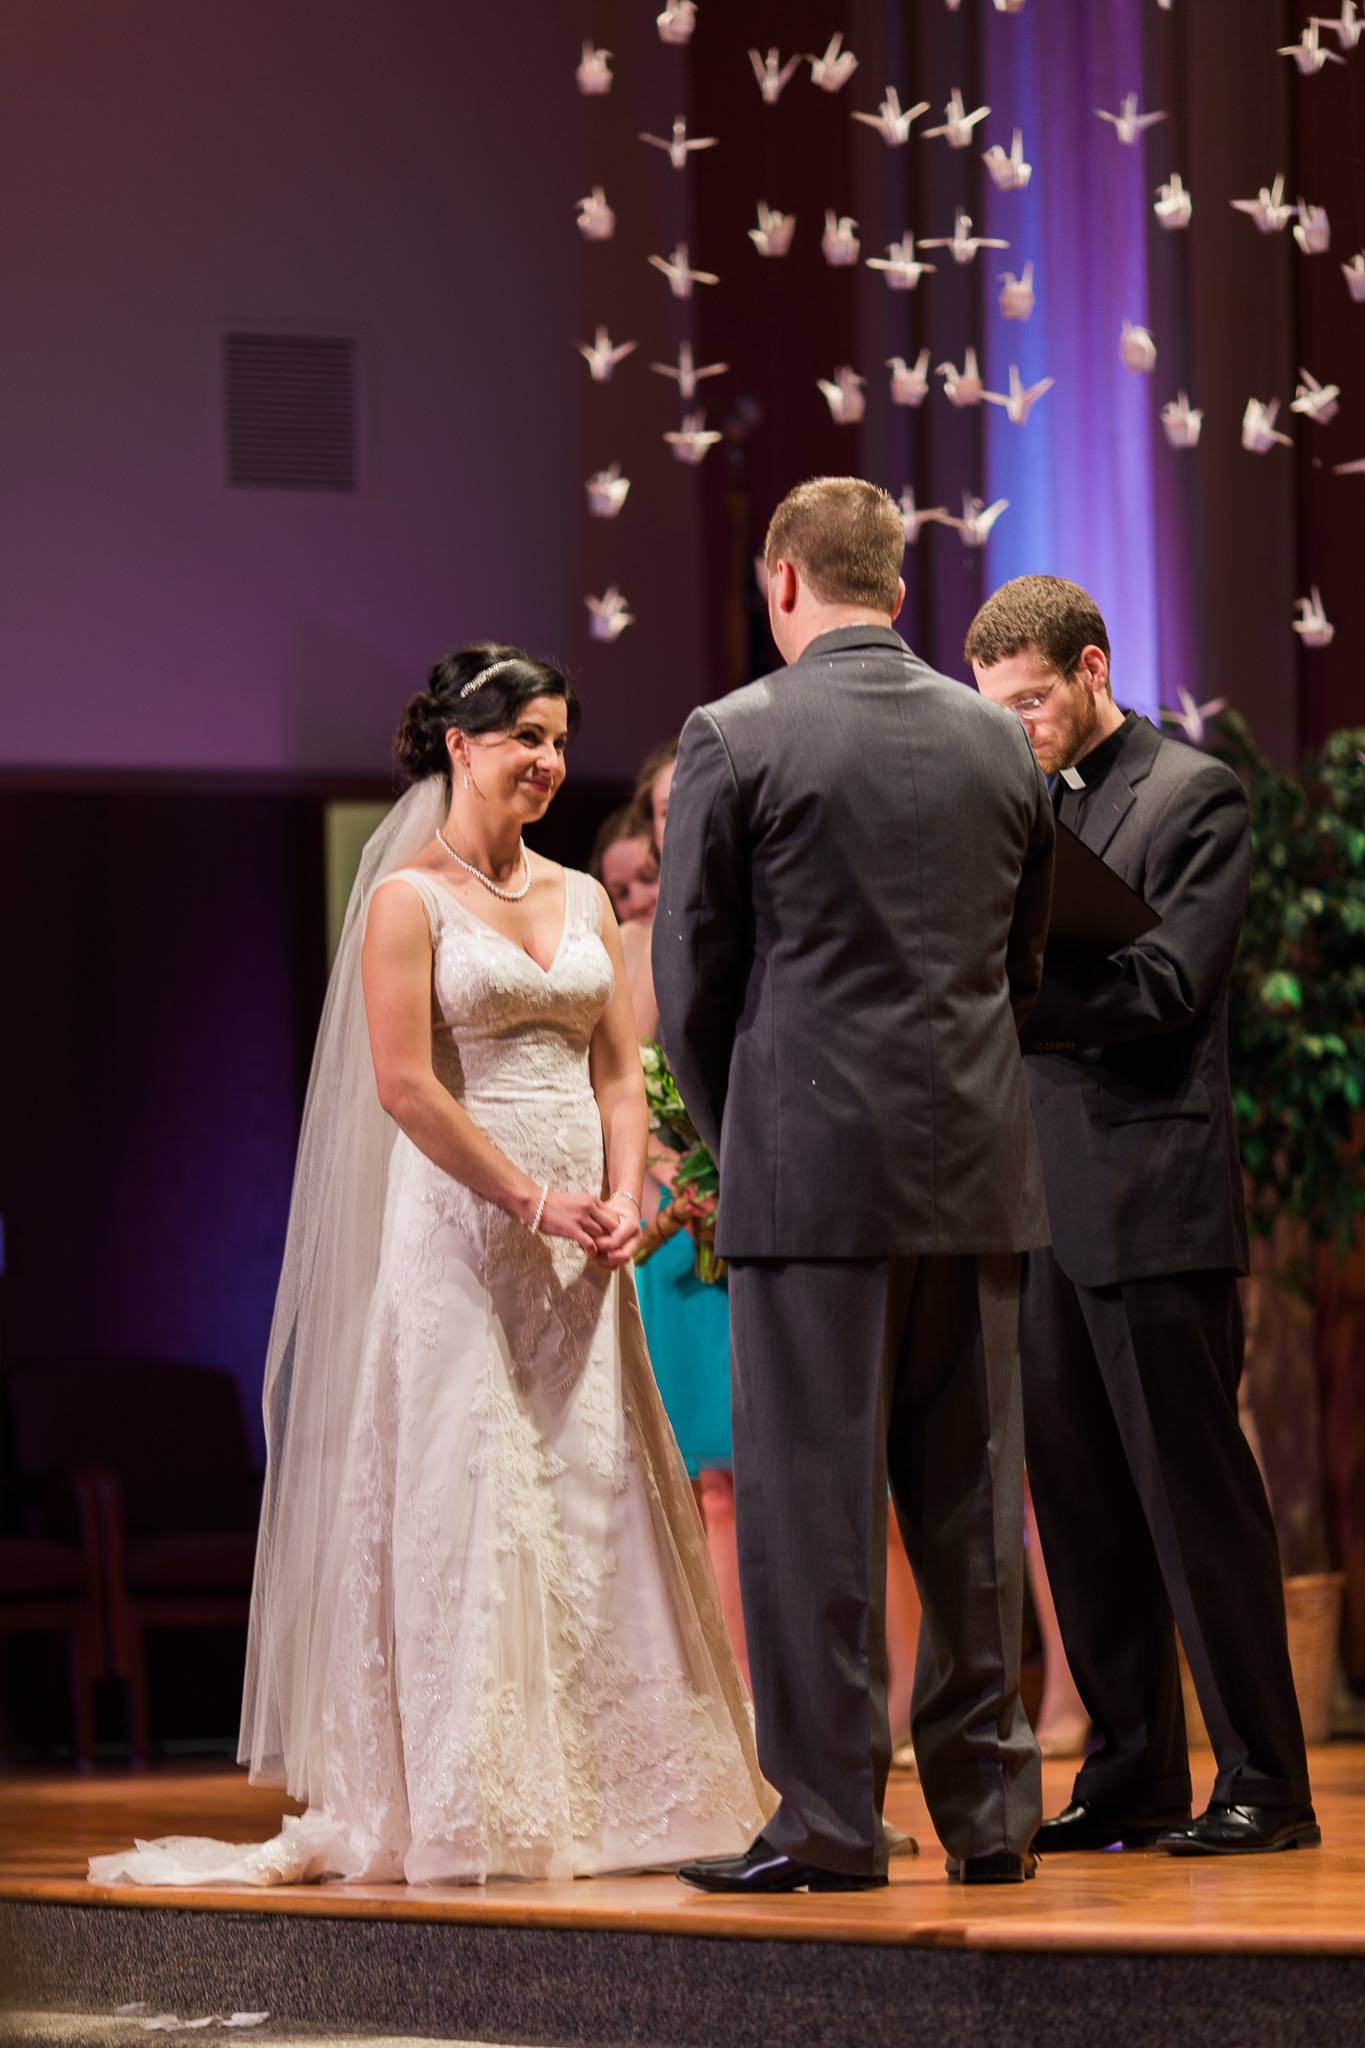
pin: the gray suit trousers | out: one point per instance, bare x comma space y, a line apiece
848, 1373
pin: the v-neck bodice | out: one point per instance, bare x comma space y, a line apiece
510, 1038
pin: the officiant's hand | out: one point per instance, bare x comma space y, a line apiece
618, 1247
585, 1220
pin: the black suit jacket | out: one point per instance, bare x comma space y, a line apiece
1128, 1070
856, 881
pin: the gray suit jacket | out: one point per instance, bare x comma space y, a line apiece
1128, 1073
856, 882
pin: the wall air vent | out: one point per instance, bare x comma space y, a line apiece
290, 408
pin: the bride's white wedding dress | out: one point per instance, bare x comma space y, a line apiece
519, 1666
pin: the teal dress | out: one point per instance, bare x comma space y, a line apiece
687, 1328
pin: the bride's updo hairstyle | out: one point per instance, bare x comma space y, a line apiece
483, 688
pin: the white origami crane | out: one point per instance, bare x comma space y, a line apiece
1180, 422
610, 615
835, 68
607, 492
1348, 26
1173, 204
909, 385
680, 274
977, 519
1354, 274
1317, 402
838, 244
903, 271
596, 221
602, 357
957, 129
1009, 6
1308, 53
686, 372
679, 149
1137, 350
1018, 402
1356, 468
1017, 296
773, 235
961, 387
915, 519
594, 73
677, 21
1258, 427
1313, 626
1267, 209
1193, 718
773, 78
1313, 230
890, 123
694, 441
1130, 123
844, 396
1008, 173
962, 244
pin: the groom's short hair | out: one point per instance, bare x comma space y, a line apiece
845, 536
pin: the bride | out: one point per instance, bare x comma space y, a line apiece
485, 1638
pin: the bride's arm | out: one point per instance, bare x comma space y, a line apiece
395, 966
618, 1082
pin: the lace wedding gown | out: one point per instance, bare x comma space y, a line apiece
522, 1667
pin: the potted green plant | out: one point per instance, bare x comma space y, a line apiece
1296, 1053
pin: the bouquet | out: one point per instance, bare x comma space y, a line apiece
696, 1184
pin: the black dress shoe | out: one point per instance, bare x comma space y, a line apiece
764, 1869
1085, 1825
1002, 1869
1226, 1830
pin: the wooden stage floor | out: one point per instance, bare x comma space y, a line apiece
1305, 1903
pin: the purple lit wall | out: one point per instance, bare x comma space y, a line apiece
1079, 474
408, 174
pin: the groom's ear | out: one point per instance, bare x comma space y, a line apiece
784, 585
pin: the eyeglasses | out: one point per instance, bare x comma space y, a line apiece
1027, 707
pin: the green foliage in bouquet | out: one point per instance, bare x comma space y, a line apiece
668, 1119
1296, 1025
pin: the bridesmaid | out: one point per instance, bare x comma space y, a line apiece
687, 1322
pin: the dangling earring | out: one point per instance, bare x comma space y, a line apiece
466, 778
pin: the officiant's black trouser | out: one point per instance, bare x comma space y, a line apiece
847, 1373
1149, 1503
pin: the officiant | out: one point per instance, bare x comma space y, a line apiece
1150, 1505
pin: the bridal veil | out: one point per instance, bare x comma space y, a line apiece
331, 1258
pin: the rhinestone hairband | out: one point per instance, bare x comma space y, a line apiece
481, 678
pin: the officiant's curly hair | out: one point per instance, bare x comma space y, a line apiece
1057, 619
481, 688
845, 536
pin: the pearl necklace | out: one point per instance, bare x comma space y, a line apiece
507, 895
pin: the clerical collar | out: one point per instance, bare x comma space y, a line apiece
1095, 765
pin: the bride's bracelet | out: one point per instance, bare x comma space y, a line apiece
540, 1208
619, 1192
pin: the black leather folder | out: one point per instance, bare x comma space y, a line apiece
1093, 909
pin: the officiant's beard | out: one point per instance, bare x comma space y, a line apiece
1071, 731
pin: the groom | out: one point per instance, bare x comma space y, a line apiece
849, 933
